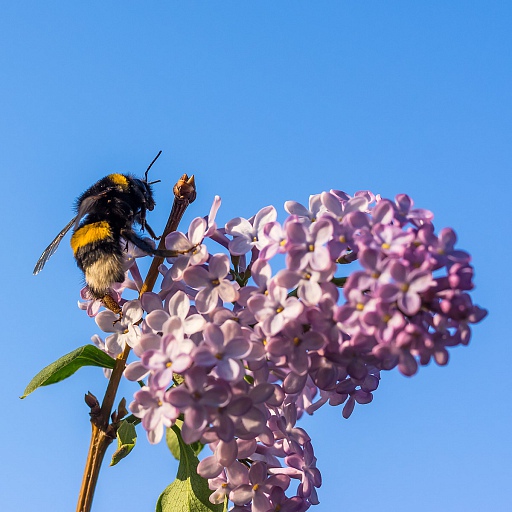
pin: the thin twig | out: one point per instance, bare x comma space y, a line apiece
102, 432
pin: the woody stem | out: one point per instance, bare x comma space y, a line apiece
102, 432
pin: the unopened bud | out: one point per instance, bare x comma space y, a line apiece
185, 188
93, 404
91, 400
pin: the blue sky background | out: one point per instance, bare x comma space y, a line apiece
263, 102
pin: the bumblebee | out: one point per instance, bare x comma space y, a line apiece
105, 214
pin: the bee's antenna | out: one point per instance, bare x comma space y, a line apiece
150, 165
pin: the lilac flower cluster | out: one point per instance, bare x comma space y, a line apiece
240, 352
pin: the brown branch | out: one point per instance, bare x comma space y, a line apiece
102, 432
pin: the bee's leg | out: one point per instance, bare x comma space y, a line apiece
142, 244
109, 302
152, 234
128, 234
142, 217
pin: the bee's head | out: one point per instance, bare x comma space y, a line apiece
145, 190
145, 186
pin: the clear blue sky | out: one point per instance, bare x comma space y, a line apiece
264, 102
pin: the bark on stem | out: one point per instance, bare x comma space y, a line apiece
102, 432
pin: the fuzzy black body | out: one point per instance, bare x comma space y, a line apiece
119, 199
105, 216
100, 258
108, 210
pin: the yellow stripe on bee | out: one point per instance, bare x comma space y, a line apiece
89, 234
119, 179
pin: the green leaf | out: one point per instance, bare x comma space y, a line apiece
172, 439
339, 281
126, 439
189, 492
173, 442
88, 355
132, 419
197, 447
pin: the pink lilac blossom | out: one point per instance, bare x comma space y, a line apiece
124, 329
213, 284
246, 233
256, 346
156, 412
194, 252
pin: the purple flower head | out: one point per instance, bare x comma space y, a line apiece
405, 212
220, 487
195, 398
178, 307
295, 344
260, 487
321, 317
352, 390
246, 233
240, 315
152, 406
261, 274
273, 240
306, 245
342, 246
305, 468
350, 313
228, 418
340, 209
367, 194
230, 477
391, 240
162, 356
92, 305
258, 349
222, 349
409, 286
195, 252
280, 503
442, 247
212, 283
375, 264
383, 213
287, 435
307, 282
316, 209
275, 309
124, 330
384, 321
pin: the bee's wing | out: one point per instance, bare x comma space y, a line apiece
88, 204
53, 247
